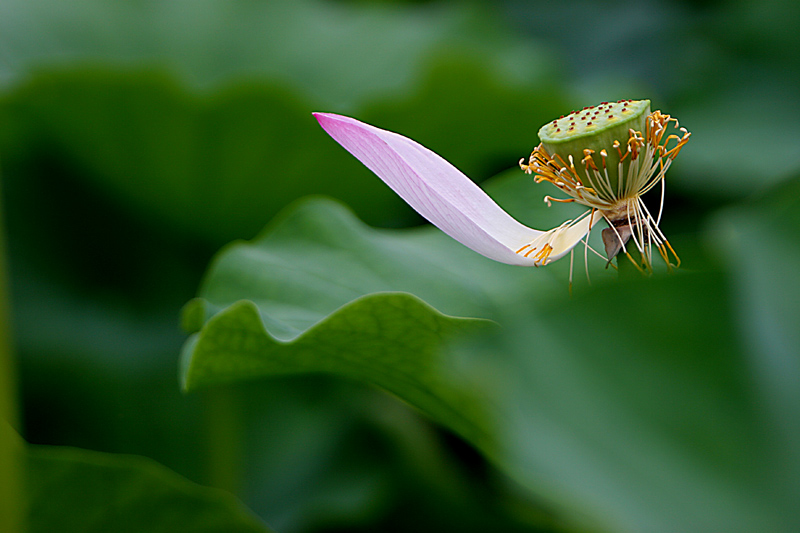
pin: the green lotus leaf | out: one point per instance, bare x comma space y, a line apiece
655, 404
71, 489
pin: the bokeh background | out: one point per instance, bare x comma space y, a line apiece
137, 138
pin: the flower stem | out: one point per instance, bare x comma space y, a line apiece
11, 448
224, 431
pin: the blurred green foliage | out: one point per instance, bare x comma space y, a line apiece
124, 493
639, 405
137, 138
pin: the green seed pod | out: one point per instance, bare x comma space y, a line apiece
604, 130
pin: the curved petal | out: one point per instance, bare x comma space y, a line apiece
443, 195
562, 239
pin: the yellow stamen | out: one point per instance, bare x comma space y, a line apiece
643, 163
544, 253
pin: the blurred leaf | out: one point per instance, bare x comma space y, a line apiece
767, 291
322, 290
13, 499
633, 406
744, 140
338, 55
664, 404
212, 166
317, 274
326, 452
215, 166
79, 490
318, 288
764, 31
371, 339
218, 163
317, 271
317, 257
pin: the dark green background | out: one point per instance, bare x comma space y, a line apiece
138, 138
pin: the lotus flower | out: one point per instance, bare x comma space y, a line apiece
450, 200
611, 186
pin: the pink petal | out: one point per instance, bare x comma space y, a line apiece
442, 194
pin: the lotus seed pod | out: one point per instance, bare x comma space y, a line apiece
604, 130
606, 157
